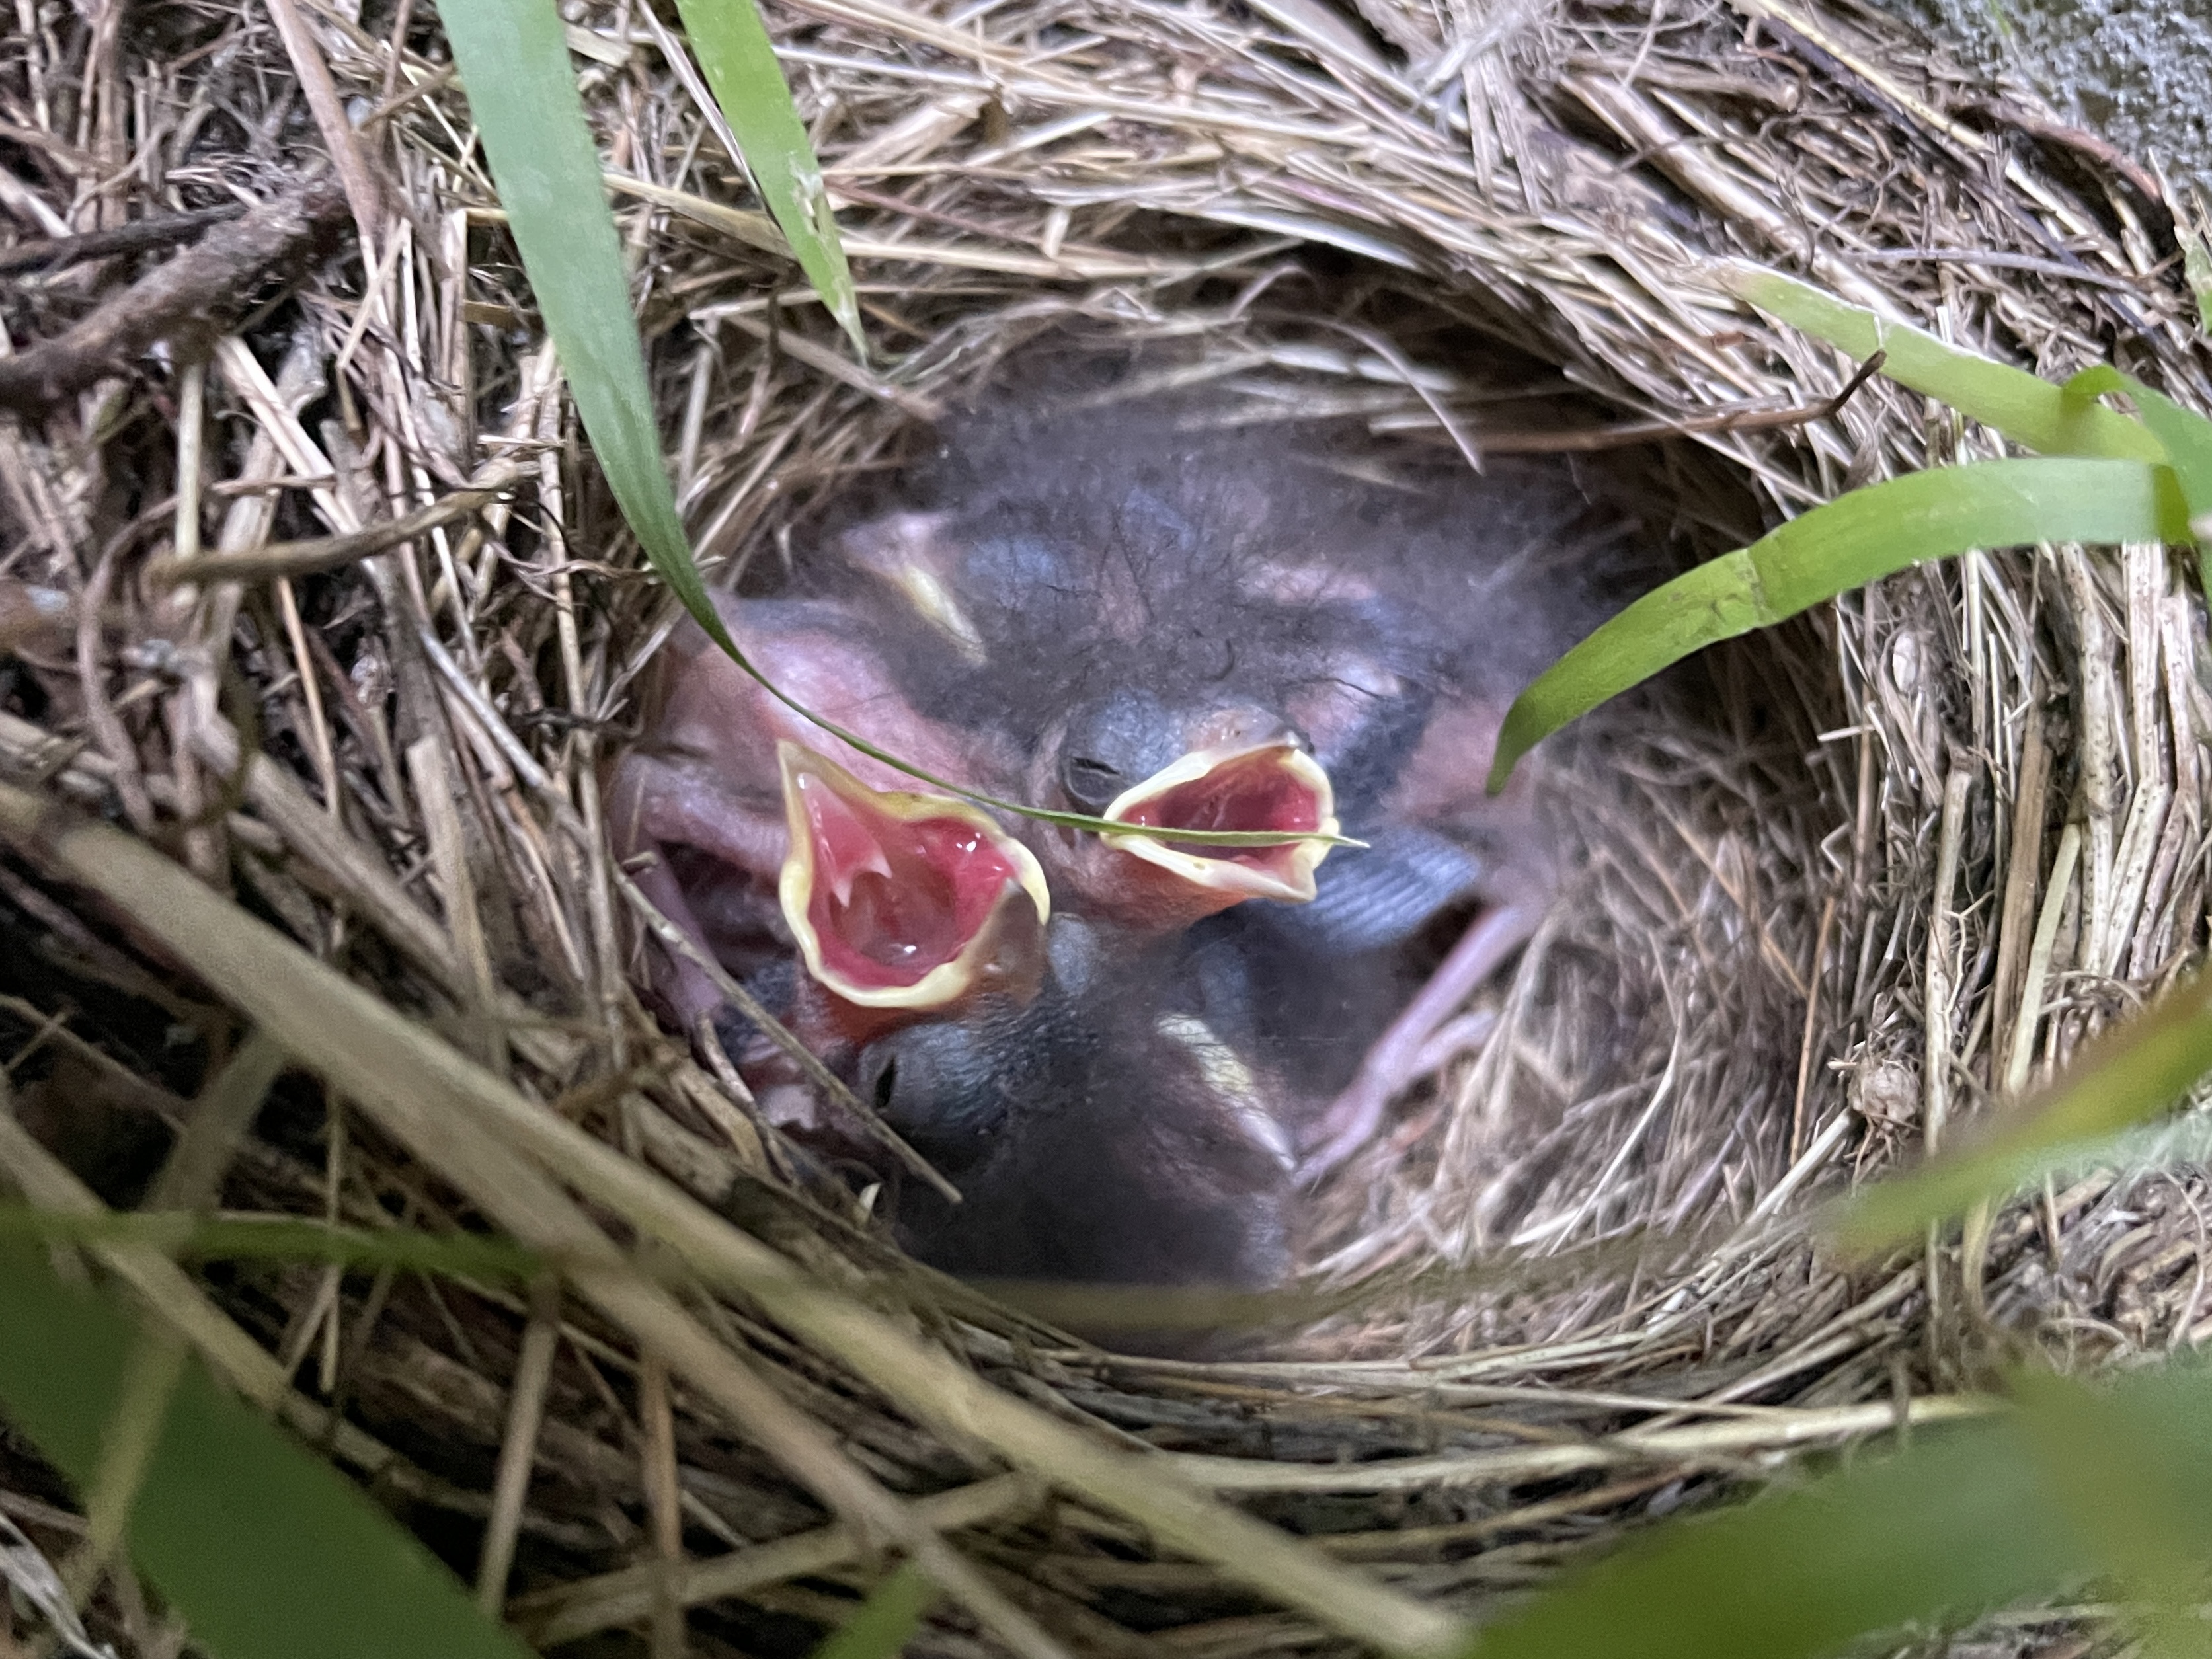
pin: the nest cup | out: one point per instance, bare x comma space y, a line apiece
1833, 887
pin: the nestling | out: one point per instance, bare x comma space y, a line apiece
1127, 1052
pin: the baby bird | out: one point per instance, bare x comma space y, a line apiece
900, 904
1096, 1128
1127, 1053
1063, 605
1209, 628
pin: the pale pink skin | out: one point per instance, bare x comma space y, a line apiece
707, 775
1402, 1054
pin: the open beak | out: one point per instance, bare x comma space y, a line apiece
1271, 785
905, 900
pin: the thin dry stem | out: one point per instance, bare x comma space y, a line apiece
1484, 228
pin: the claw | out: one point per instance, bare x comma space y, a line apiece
1353, 1118
904, 901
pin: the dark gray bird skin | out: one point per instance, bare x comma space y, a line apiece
1098, 1130
1102, 1134
1081, 561
1096, 590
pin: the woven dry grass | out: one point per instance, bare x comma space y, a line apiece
1840, 885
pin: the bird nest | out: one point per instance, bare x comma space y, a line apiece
327, 607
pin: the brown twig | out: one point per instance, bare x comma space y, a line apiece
361, 191
188, 300
55, 251
322, 553
1626, 433
2100, 151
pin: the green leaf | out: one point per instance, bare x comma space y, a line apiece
1853, 540
151, 1372
2130, 1472
740, 64
513, 58
2128, 1074
885, 1622
267, 1553
2196, 270
1964, 1520
1952, 1526
2031, 413
195, 1237
2187, 437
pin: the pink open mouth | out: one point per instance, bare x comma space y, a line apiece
898, 900
1272, 787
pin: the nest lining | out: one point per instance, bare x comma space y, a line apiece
1816, 862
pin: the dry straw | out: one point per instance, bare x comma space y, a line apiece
1840, 886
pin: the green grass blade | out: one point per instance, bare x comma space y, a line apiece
2187, 436
193, 1236
2130, 1471
266, 1552
748, 84
2196, 270
2128, 1074
2032, 412
513, 59
151, 1372
885, 1622
1853, 540
1955, 1525
2118, 1481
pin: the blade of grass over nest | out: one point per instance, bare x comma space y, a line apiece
2196, 270
885, 1621
2032, 412
2130, 1073
740, 64
1955, 1525
151, 1372
159, 1284
267, 1553
514, 62
2187, 436
505, 1151
1853, 540
2132, 1470
514, 58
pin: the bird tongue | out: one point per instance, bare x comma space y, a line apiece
1272, 785
905, 900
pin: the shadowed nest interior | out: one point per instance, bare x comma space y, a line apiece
1838, 885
